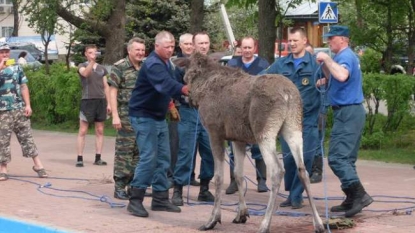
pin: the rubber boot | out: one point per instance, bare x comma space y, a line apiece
261, 175
360, 199
135, 206
121, 194
233, 187
346, 204
204, 194
161, 202
317, 170
177, 198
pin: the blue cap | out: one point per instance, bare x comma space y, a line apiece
338, 30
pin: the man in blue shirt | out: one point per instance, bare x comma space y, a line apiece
150, 100
251, 64
299, 66
345, 96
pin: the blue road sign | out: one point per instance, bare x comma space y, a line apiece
328, 12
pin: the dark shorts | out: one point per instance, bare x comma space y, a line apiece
93, 110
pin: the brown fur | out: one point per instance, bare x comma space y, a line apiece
234, 105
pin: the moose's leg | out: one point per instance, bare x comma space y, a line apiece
239, 155
294, 139
275, 171
218, 151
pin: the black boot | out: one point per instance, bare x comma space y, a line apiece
346, 204
261, 175
360, 199
204, 194
177, 198
317, 170
161, 202
121, 194
135, 206
232, 186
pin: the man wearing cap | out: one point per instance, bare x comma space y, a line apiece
345, 97
15, 112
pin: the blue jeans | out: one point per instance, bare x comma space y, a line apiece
348, 124
191, 131
152, 137
291, 180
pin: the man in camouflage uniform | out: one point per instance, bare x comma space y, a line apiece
15, 111
122, 80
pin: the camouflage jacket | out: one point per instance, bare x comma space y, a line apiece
11, 79
123, 77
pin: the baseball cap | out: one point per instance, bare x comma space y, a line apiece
338, 30
4, 45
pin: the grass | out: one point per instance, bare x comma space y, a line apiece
399, 150
73, 128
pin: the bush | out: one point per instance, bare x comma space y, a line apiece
55, 98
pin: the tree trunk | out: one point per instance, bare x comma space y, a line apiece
15, 18
196, 16
266, 29
112, 30
114, 34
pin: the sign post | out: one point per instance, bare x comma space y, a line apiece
328, 12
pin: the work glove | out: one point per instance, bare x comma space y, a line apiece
174, 114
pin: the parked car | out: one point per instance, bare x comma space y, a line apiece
33, 50
31, 61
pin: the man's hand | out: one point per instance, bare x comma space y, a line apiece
27, 111
116, 123
174, 114
185, 90
108, 109
321, 57
320, 82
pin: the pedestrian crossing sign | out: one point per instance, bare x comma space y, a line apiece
328, 12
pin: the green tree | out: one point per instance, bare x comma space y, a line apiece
148, 17
105, 18
43, 19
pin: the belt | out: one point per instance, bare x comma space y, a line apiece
337, 107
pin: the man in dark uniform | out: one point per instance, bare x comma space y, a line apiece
299, 67
122, 80
345, 96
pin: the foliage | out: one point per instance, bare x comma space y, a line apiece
395, 91
148, 17
370, 61
42, 17
55, 97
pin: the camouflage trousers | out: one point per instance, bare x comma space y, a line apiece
15, 121
126, 154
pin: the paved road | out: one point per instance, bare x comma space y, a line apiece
25, 201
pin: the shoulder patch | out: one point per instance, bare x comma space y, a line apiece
119, 62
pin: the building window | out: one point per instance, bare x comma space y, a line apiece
6, 31
6, 2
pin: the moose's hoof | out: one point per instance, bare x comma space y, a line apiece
241, 219
209, 226
319, 229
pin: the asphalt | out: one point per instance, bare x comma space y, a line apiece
81, 199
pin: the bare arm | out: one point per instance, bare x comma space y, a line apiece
116, 122
331, 67
26, 98
86, 71
107, 93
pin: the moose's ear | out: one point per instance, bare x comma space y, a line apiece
181, 62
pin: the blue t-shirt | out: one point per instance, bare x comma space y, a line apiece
350, 91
